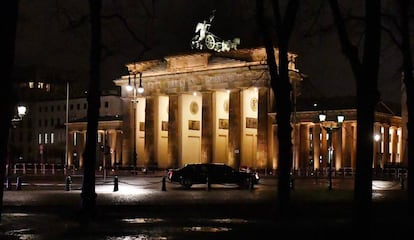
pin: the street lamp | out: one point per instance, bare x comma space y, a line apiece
377, 139
21, 112
133, 87
330, 127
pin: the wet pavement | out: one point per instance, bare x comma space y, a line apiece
141, 208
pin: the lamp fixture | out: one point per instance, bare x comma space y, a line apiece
21, 110
140, 88
322, 117
129, 86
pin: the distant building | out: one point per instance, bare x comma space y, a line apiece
40, 138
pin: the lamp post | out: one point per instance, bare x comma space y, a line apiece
330, 127
133, 87
21, 112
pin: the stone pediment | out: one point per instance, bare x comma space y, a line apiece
137, 67
187, 62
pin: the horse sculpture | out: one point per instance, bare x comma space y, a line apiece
206, 39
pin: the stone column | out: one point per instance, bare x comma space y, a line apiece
337, 146
173, 142
126, 142
262, 128
234, 129
149, 156
394, 143
354, 146
316, 146
207, 128
118, 148
386, 154
302, 149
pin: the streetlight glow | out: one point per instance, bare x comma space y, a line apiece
377, 137
21, 110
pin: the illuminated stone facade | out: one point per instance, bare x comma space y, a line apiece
217, 107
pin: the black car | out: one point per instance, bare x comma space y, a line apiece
211, 173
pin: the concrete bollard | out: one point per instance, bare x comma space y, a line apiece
208, 184
8, 184
116, 184
163, 188
68, 183
18, 183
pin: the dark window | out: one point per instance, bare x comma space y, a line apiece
71, 107
106, 104
78, 106
52, 108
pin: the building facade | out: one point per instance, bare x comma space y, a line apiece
218, 107
207, 107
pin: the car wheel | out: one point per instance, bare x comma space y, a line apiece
186, 182
244, 183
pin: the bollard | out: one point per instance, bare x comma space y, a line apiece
208, 184
8, 184
18, 183
68, 183
163, 188
116, 184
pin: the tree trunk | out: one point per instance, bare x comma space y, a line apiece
88, 185
9, 11
281, 87
366, 76
409, 89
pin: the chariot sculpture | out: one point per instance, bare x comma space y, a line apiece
204, 39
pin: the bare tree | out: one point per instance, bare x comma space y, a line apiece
280, 83
401, 38
9, 12
365, 67
88, 185
409, 88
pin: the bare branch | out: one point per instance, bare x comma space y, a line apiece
128, 28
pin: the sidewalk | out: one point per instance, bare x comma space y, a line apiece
313, 210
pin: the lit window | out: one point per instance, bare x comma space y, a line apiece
46, 138
40, 138
52, 138
31, 84
74, 138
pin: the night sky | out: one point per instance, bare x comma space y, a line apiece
51, 34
